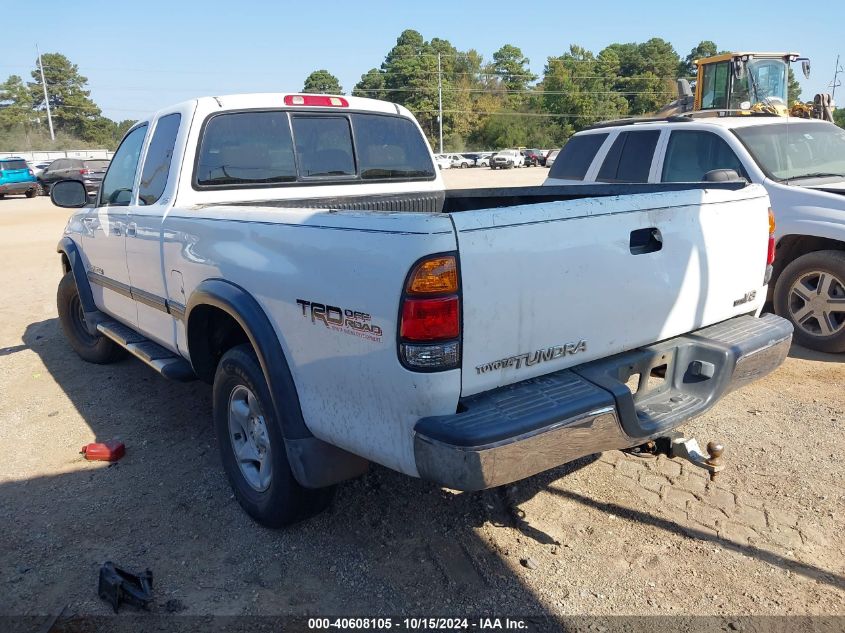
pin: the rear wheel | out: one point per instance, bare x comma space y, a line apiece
92, 348
252, 446
30, 193
810, 292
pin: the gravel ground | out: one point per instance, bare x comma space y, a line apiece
610, 534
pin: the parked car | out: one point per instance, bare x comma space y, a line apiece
88, 171
507, 159
299, 253
16, 178
534, 158
443, 161
38, 166
801, 163
550, 157
472, 158
483, 159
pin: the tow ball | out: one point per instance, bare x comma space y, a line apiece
676, 445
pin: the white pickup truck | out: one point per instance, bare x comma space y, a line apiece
800, 162
299, 253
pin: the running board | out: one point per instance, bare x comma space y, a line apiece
162, 360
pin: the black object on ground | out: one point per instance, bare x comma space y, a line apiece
118, 586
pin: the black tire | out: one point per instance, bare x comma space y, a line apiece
2, 195
30, 193
284, 501
93, 349
810, 267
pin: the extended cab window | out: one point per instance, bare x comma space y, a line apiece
629, 158
157, 162
323, 146
577, 155
691, 154
244, 148
390, 147
116, 189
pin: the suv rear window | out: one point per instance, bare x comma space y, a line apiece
269, 148
9, 165
629, 158
96, 165
574, 159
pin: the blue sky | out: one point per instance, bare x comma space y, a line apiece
139, 57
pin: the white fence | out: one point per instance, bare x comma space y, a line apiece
39, 156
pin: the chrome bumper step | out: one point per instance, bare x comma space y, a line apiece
162, 360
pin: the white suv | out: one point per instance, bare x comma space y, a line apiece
801, 163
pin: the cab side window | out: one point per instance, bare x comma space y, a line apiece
690, 154
629, 158
157, 161
116, 190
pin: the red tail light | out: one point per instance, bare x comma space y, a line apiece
84, 172
430, 317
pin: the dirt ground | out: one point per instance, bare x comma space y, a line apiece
610, 534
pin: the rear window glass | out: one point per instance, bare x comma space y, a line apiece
246, 148
574, 159
629, 158
99, 165
323, 146
390, 147
13, 164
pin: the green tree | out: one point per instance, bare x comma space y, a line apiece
322, 81
839, 117
705, 48
70, 103
793, 89
15, 103
646, 74
511, 67
579, 88
371, 85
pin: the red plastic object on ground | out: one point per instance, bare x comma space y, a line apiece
110, 451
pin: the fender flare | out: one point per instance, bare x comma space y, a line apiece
314, 463
92, 314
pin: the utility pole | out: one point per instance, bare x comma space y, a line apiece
440, 101
46, 97
835, 82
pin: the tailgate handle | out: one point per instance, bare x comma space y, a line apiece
646, 241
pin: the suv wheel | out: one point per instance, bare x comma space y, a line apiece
252, 447
810, 292
92, 348
31, 193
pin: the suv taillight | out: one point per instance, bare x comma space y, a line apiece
770, 254
84, 172
430, 315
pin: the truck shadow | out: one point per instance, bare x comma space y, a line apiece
389, 544
805, 353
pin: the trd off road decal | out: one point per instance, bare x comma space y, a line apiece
341, 319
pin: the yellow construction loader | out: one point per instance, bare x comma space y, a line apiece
746, 83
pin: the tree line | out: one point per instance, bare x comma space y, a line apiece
23, 119
487, 103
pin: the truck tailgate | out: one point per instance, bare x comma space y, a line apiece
552, 285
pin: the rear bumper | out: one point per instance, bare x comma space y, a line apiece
18, 187
520, 430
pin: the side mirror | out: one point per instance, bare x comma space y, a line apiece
805, 68
722, 175
70, 194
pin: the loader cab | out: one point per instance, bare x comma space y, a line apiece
746, 82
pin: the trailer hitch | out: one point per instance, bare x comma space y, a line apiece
676, 445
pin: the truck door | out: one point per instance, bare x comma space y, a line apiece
143, 235
105, 231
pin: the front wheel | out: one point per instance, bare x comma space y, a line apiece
252, 446
31, 193
810, 292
